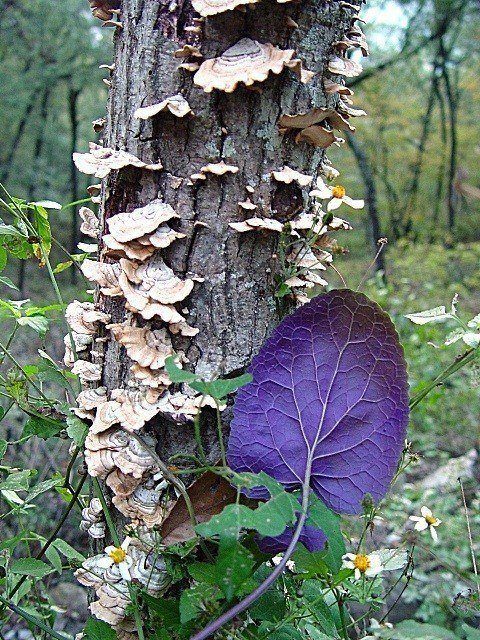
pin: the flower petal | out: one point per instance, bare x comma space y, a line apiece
124, 572
426, 513
434, 534
105, 562
355, 204
421, 525
334, 204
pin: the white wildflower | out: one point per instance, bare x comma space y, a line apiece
426, 521
118, 556
337, 194
368, 565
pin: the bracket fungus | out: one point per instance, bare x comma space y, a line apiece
87, 371
318, 136
104, 274
154, 279
131, 225
90, 224
344, 67
104, 9
246, 62
176, 105
214, 7
83, 317
101, 160
218, 169
289, 175
148, 348
93, 521
254, 224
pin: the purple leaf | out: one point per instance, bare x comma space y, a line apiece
330, 385
312, 538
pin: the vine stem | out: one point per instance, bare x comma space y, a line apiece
264, 586
461, 361
32, 620
55, 532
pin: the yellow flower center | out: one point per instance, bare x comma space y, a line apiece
338, 191
361, 562
431, 519
118, 555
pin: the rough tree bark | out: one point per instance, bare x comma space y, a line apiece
234, 309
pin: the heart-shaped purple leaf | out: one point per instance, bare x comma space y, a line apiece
330, 385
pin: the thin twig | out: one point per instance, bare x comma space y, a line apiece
470, 539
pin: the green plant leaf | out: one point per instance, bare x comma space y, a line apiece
176, 374
67, 550
62, 266
17, 481
37, 323
320, 516
233, 567
76, 429
193, 601
42, 427
30, 567
53, 557
98, 630
220, 388
8, 283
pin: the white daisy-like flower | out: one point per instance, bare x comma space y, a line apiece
336, 194
369, 565
118, 556
426, 521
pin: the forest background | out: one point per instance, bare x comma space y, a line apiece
415, 159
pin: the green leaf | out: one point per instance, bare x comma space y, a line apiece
313, 591
3, 258
10, 230
30, 567
8, 283
42, 487
53, 557
438, 314
42, 427
62, 266
98, 630
68, 551
164, 608
203, 572
193, 601
233, 567
42, 226
176, 374
76, 429
37, 323
220, 388
3, 448
320, 516
470, 632
228, 524
17, 481
270, 607
287, 632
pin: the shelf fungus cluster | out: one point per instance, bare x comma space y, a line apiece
151, 320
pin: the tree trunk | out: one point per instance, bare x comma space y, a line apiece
234, 308
374, 232
73, 115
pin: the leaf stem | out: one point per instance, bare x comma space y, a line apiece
461, 361
32, 620
220, 434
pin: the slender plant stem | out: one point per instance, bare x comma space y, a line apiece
461, 361
470, 539
198, 437
341, 611
220, 434
106, 511
14, 361
32, 620
54, 533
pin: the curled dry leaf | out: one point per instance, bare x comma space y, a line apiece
90, 225
289, 175
101, 160
82, 317
105, 275
148, 348
176, 105
127, 226
208, 495
246, 62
